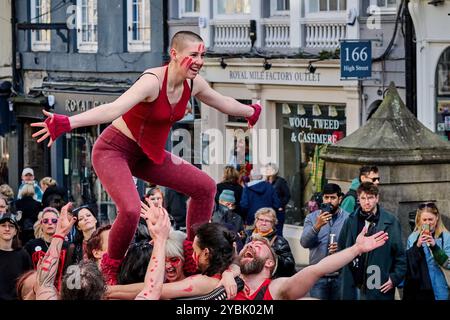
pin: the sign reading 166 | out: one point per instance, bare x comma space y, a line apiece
356, 59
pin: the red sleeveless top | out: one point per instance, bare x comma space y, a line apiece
150, 122
262, 293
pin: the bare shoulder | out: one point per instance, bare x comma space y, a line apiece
150, 84
199, 84
159, 71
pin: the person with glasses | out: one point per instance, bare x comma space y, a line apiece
44, 230
265, 226
428, 251
320, 233
371, 174
14, 261
372, 276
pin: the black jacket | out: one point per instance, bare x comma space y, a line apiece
417, 279
282, 189
30, 209
286, 261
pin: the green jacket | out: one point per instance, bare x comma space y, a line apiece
349, 202
390, 258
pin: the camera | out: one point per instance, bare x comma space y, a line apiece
326, 207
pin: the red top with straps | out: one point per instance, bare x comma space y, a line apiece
242, 295
150, 122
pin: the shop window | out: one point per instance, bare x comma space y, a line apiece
87, 32
238, 119
40, 13
79, 175
305, 131
139, 30
443, 95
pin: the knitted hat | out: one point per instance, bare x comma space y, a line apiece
228, 196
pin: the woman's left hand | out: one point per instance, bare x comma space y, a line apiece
430, 240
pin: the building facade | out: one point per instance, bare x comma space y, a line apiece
5, 89
286, 55
76, 55
433, 64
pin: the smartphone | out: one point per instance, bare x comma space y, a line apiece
426, 228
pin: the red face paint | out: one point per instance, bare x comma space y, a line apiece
187, 62
201, 48
173, 261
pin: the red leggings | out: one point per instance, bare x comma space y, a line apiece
116, 158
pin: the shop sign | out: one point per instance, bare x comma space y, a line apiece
317, 129
356, 59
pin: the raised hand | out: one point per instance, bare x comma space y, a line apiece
54, 126
366, 244
65, 221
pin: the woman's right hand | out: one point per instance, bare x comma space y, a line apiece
54, 126
422, 239
44, 133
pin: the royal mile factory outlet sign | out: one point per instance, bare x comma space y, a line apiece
293, 75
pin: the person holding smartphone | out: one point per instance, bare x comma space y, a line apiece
428, 251
320, 233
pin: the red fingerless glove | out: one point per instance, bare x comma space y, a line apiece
255, 116
189, 266
57, 125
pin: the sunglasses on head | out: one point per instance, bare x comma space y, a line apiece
430, 205
48, 221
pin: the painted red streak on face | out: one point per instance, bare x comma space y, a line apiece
187, 62
174, 261
201, 47
188, 289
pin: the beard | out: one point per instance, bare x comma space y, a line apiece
255, 266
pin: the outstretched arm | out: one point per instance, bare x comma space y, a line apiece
147, 87
154, 276
299, 284
220, 102
48, 266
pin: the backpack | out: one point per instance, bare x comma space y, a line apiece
351, 193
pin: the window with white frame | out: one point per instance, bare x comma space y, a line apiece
383, 6
87, 32
139, 30
327, 5
280, 7
189, 8
40, 13
235, 7
386, 4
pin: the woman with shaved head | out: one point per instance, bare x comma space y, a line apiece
133, 145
